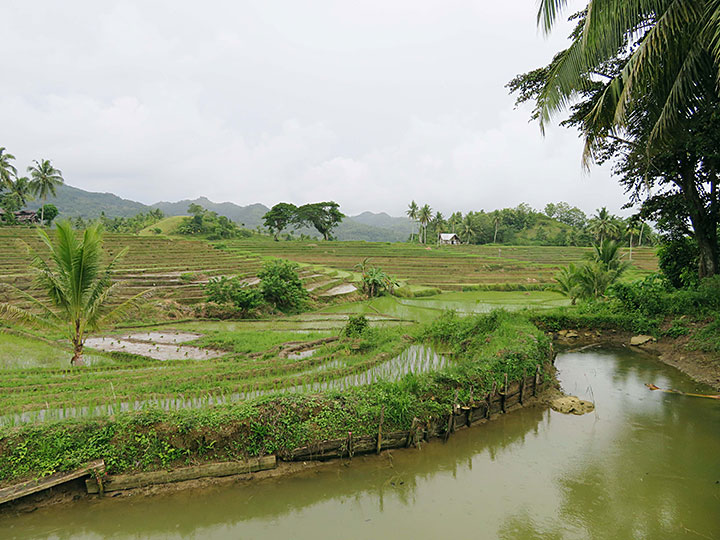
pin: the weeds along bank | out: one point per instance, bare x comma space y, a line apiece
681, 325
484, 350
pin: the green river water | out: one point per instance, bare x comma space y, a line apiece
645, 465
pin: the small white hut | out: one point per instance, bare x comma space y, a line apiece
450, 239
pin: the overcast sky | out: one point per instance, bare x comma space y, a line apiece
369, 103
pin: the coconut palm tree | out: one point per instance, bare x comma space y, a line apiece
7, 169
77, 285
455, 220
468, 228
632, 229
670, 48
603, 225
424, 217
412, 213
45, 179
567, 283
22, 190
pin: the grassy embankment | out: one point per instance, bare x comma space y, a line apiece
485, 347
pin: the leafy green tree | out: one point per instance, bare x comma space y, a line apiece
7, 170
281, 286
279, 217
412, 213
206, 222
50, 212
640, 82
44, 181
224, 290
323, 216
79, 288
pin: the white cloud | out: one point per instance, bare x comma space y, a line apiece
370, 104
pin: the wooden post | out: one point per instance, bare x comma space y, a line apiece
535, 381
451, 421
350, 449
504, 394
379, 437
489, 400
522, 388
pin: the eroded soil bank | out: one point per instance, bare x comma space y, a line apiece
700, 366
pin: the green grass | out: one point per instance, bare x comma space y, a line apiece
19, 352
167, 226
252, 341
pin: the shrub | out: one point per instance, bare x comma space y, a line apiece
355, 326
280, 285
678, 262
225, 290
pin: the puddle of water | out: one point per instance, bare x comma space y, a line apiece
163, 337
301, 354
158, 351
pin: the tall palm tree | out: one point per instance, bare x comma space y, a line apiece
467, 228
455, 220
424, 217
632, 229
22, 190
7, 169
77, 285
412, 213
45, 180
603, 225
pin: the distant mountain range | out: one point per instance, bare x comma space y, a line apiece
75, 202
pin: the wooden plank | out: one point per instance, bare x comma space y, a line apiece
34, 486
206, 470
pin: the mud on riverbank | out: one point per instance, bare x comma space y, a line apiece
700, 366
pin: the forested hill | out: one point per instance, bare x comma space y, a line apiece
74, 202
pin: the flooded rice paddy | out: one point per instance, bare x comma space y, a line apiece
415, 359
156, 345
644, 465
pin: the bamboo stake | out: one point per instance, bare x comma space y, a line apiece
379, 437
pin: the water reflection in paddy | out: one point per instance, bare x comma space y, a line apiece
646, 465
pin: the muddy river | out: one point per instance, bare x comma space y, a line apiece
644, 465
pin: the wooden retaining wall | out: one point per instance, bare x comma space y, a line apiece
499, 400
206, 470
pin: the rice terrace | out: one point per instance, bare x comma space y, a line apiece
420, 318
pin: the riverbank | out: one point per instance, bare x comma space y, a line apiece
701, 366
493, 358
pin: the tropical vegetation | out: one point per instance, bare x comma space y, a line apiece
79, 288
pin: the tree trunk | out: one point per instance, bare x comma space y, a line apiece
704, 222
77, 359
631, 239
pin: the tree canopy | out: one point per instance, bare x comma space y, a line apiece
639, 82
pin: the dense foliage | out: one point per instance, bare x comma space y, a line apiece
322, 216
280, 288
639, 81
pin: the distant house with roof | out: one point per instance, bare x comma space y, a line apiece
450, 239
23, 216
